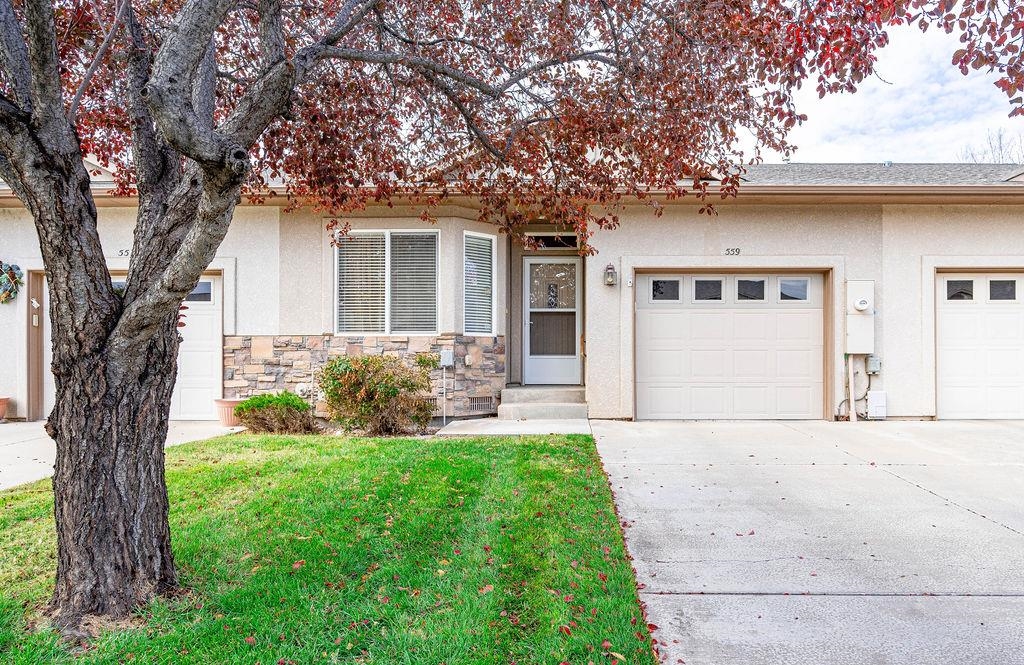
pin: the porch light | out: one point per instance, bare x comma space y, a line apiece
609, 275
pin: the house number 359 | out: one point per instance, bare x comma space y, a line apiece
732, 251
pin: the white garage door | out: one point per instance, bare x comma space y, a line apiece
980, 345
200, 356
729, 346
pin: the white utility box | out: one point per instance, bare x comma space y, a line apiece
876, 405
860, 316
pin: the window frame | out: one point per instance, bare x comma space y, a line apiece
723, 281
494, 283
387, 332
1016, 291
666, 278
793, 302
735, 290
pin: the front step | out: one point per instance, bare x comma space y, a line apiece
544, 394
541, 410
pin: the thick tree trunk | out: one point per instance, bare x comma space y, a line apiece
110, 496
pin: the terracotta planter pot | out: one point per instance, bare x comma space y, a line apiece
3, 407
226, 411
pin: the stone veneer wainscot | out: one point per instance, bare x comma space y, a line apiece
270, 363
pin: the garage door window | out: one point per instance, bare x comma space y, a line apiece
793, 289
960, 289
707, 289
1002, 289
665, 289
749, 289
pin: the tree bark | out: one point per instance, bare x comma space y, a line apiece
110, 494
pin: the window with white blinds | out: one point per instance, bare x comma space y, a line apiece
361, 284
413, 282
479, 284
387, 283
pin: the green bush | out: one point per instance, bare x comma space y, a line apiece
281, 413
379, 394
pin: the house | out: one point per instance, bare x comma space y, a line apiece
910, 276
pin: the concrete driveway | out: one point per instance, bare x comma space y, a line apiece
825, 543
27, 452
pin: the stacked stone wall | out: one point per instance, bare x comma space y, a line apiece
255, 364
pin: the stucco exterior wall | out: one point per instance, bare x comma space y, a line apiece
917, 241
843, 239
278, 274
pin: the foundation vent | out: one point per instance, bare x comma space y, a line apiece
481, 404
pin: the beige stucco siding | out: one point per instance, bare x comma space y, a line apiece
917, 240
843, 239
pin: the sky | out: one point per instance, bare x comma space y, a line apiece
924, 110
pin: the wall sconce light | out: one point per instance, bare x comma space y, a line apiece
609, 275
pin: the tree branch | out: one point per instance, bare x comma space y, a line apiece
97, 59
14, 55
44, 62
169, 91
429, 65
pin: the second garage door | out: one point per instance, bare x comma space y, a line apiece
729, 346
980, 345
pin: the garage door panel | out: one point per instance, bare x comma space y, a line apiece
979, 349
752, 364
752, 401
1004, 363
798, 401
713, 400
753, 326
710, 364
801, 364
661, 401
800, 327
709, 327
662, 326
740, 359
1003, 326
662, 364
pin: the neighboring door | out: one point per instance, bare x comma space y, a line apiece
729, 347
200, 356
980, 345
552, 320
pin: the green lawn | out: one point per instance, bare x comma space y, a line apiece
323, 549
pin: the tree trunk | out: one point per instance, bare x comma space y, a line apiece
110, 495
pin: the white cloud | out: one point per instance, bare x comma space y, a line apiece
919, 108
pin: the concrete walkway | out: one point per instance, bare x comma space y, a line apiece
27, 452
825, 543
496, 427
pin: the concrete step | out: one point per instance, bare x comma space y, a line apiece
542, 411
543, 394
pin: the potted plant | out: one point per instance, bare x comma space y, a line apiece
226, 411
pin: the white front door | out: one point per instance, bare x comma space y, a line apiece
552, 321
980, 345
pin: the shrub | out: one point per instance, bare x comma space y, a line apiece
379, 394
283, 413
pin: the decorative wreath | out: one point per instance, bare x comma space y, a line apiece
11, 281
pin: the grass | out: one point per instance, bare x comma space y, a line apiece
322, 550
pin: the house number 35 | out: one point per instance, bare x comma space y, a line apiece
732, 251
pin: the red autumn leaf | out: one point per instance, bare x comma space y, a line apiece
565, 630
487, 588
250, 640
606, 644
298, 564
